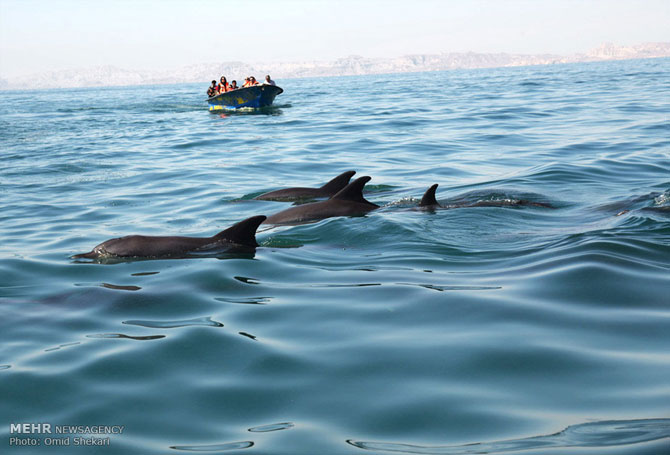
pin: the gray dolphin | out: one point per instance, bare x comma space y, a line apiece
242, 234
349, 201
327, 190
428, 201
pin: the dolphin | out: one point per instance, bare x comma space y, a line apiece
428, 201
349, 201
239, 235
636, 203
327, 190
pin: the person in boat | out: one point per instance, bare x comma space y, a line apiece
268, 81
213, 90
253, 81
233, 86
247, 82
223, 86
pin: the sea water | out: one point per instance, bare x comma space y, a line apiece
485, 329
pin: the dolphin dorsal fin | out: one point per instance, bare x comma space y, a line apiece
242, 233
354, 191
338, 182
429, 197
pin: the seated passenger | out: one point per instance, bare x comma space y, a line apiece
253, 80
247, 82
223, 86
213, 90
268, 81
233, 86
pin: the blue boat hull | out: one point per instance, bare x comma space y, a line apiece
254, 96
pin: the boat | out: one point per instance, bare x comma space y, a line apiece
254, 96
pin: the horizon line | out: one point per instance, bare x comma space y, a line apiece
13, 83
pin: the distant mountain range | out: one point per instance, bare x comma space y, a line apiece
352, 65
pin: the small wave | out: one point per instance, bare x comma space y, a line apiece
130, 337
352, 285
268, 110
378, 188
272, 427
246, 301
281, 242
531, 84
65, 345
440, 287
246, 280
662, 200
498, 198
196, 144
206, 321
586, 435
404, 202
215, 447
120, 287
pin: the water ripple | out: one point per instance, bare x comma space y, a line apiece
215, 447
203, 321
62, 346
596, 434
120, 287
246, 300
129, 337
272, 427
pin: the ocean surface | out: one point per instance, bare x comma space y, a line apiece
536, 321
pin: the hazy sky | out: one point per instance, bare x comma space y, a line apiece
62, 34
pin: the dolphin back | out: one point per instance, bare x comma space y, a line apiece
297, 193
336, 184
354, 192
428, 198
242, 233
